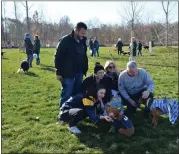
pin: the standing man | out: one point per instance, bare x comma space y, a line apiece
37, 49
29, 48
71, 61
134, 48
91, 46
96, 46
119, 46
135, 86
139, 48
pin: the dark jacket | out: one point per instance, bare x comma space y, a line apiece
119, 45
114, 78
134, 48
89, 86
28, 46
140, 46
96, 44
37, 46
90, 105
66, 56
91, 44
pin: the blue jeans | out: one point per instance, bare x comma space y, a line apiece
38, 59
30, 59
70, 87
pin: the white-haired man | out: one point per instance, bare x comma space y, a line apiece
134, 84
119, 46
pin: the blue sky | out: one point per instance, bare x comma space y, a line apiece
105, 11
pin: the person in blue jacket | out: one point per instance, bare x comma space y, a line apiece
79, 107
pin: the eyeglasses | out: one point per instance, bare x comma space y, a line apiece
110, 67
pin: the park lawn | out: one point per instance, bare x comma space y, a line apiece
36, 94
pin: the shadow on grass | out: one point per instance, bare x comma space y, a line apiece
5, 58
49, 66
31, 74
171, 66
114, 58
48, 69
146, 138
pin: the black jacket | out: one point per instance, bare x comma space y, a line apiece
140, 46
114, 79
89, 87
119, 45
28, 46
66, 56
36, 46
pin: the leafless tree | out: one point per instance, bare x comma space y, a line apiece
27, 14
167, 10
132, 13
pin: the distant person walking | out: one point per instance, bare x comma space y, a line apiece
139, 48
37, 49
133, 49
119, 46
29, 48
91, 46
96, 47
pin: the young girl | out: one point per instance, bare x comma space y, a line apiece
121, 122
79, 107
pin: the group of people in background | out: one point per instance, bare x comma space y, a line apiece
32, 48
134, 45
95, 96
94, 47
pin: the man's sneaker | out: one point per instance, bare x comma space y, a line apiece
74, 130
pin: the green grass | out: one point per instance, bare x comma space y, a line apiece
36, 94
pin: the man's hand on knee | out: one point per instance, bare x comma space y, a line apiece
145, 94
132, 102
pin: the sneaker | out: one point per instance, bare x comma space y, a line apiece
74, 130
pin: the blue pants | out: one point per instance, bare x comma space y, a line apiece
30, 59
70, 87
38, 59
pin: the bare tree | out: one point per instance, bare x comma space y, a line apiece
132, 13
167, 10
27, 14
5, 24
17, 23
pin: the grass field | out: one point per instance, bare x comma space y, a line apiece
36, 94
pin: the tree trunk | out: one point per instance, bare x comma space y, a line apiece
27, 14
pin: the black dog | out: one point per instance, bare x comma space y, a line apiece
125, 53
146, 47
2, 53
24, 66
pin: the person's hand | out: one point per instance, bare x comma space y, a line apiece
145, 94
132, 102
60, 78
107, 118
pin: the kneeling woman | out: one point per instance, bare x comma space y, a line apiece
121, 122
80, 107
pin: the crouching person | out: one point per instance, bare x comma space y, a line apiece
79, 107
72, 112
120, 122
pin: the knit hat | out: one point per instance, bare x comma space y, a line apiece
98, 67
